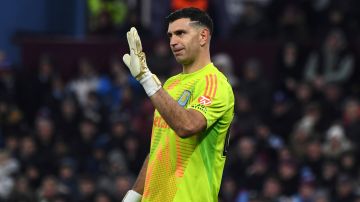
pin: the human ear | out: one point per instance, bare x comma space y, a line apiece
204, 36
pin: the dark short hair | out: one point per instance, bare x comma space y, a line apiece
194, 14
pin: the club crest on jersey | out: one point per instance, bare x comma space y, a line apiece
184, 98
204, 100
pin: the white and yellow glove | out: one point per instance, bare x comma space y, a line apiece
136, 62
132, 196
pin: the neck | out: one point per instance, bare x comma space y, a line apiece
199, 63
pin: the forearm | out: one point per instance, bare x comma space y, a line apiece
184, 122
140, 181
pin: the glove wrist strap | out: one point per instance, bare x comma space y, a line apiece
132, 196
151, 83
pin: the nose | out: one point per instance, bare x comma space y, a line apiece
173, 41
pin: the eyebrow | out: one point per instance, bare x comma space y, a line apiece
176, 32
191, 23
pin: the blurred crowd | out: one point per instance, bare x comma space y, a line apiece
294, 137
298, 20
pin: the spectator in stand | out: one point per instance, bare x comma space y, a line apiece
67, 119
307, 192
228, 13
321, 196
105, 17
344, 190
255, 85
111, 86
351, 122
12, 144
94, 109
288, 176
292, 24
314, 158
300, 138
84, 146
161, 60
105, 26
67, 176
22, 191
336, 142
339, 15
103, 196
304, 96
316, 14
11, 117
253, 25
37, 87
245, 119
4, 60
50, 189
85, 82
241, 159
336, 19
8, 80
8, 166
257, 172
310, 123
228, 190
121, 185
27, 154
226, 65
349, 164
118, 131
290, 66
129, 103
45, 137
282, 116
86, 188
333, 62
331, 104
268, 142
329, 174
133, 152
272, 190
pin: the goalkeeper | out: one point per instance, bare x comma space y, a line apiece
193, 113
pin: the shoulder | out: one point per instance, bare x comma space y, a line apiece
214, 83
172, 80
213, 78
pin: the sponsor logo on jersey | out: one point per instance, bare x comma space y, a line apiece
204, 100
184, 98
159, 122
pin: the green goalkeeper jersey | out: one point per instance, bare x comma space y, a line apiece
190, 169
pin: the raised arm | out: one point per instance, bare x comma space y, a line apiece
184, 122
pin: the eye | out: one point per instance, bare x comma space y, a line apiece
180, 33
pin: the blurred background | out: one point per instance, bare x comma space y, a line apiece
75, 126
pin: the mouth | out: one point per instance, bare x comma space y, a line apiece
178, 51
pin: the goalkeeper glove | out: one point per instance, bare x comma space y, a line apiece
136, 62
132, 196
